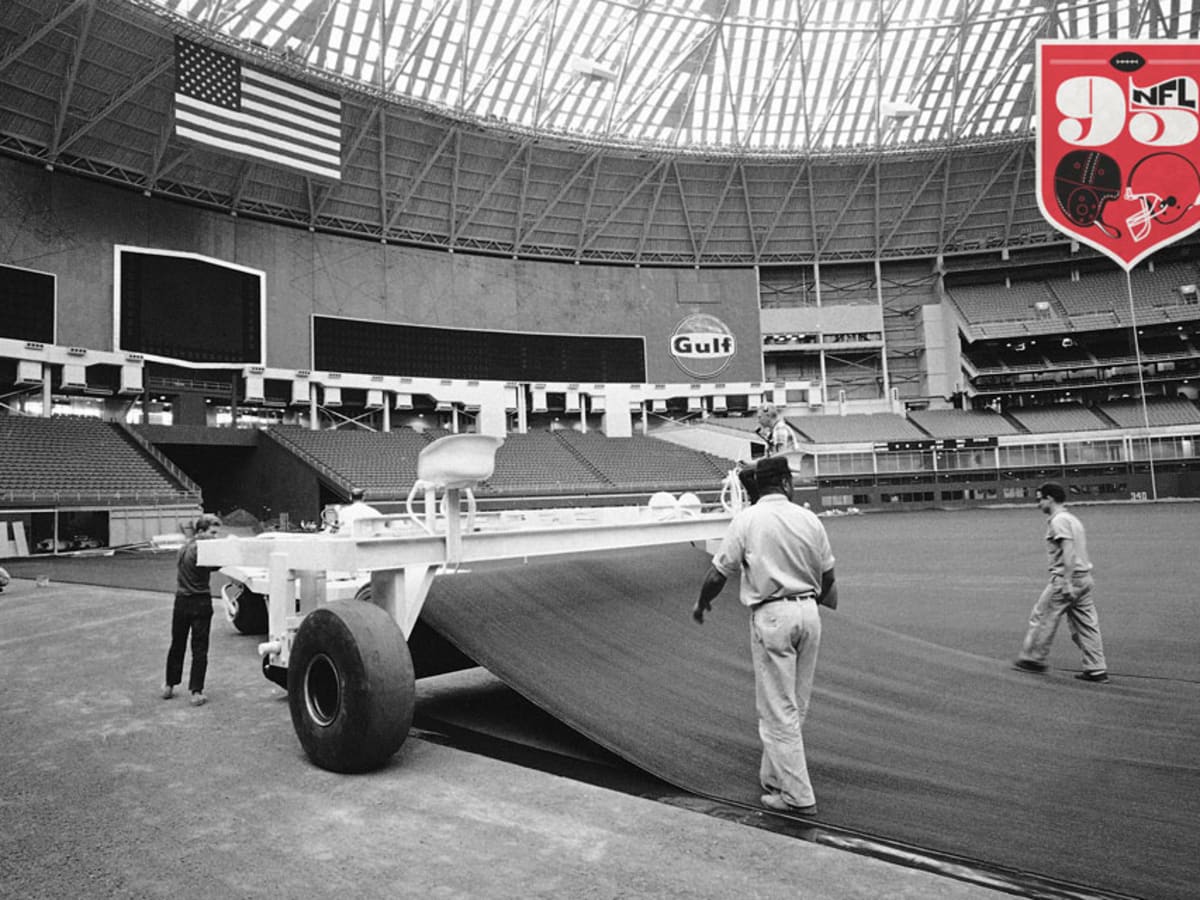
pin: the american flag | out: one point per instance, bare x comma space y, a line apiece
224, 104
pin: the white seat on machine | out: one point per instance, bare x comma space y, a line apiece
456, 462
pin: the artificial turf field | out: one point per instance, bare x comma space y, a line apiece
920, 732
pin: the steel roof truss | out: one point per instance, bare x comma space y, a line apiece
862, 178
418, 179
64, 100
17, 52
519, 153
119, 99
732, 172
683, 206
914, 197
661, 168
625, 201
588, 162
502, 60
784, 204
982, 192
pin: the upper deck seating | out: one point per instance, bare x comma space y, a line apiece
959, 423
991, 303
1095, 292
1160, 412
1059, 417
856, 428
75, 456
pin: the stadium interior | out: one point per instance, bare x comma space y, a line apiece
606, 232
499, 261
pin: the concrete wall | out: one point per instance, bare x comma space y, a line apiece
67, 226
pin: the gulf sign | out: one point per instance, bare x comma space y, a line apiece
1119, 143
702, 345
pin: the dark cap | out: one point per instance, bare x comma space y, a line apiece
771, 469
1053, 490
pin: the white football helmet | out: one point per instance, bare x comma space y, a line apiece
1166, 185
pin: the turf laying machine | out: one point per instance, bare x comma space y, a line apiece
341, 606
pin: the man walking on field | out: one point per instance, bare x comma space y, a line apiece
782, 554
1069, 592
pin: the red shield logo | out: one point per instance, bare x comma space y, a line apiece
1118, 143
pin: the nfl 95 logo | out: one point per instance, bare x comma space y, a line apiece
1118, 143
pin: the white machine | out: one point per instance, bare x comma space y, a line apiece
341, 606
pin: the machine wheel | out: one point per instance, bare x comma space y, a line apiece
350, 686
247, 612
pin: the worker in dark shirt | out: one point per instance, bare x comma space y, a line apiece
192, 614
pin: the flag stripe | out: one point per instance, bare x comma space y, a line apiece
319, 135
231, 127
320, 106
240, 148
252, 125
229, 106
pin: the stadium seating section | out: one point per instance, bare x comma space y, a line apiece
77, 458
539, 462
382, 463
955, 423
856, 427
1098, 300
1059, 417
1129, 414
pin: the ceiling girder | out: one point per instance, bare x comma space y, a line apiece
33, 39
64, 101
116, 101
430, 161
588, 162
978, 198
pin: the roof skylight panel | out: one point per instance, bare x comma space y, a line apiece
287, 18
362, 21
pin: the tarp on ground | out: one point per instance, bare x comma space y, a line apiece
909, 741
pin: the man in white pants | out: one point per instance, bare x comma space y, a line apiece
783, 555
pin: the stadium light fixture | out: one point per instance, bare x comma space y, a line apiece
898, 109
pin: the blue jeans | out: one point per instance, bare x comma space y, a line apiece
192, 613
784, 639
1084, 624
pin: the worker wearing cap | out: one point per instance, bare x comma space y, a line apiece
782, 553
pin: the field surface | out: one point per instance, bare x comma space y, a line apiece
920, 732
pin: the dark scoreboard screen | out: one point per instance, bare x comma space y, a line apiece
27, 305
189, 309
423, 351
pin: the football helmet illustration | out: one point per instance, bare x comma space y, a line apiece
1166, 185
1084, 182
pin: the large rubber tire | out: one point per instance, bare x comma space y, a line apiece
431, 654
251, 615
350, 686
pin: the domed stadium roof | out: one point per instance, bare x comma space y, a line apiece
696, 133
752, 76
